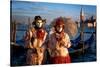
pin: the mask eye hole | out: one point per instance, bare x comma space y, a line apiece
60, 26
39, 21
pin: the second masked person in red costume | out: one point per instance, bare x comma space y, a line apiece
58, 45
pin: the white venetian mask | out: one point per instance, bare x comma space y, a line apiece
59, 29
39, 23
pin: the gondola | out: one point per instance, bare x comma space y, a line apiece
79, 47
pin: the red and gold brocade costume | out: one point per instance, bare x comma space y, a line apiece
58, 48
34, 42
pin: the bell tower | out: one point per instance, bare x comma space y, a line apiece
82, 18
82, 15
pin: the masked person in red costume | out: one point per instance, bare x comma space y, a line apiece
58, 45
34, 42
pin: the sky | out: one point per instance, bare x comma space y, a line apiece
22, 10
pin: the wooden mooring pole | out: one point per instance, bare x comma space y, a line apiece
13, 32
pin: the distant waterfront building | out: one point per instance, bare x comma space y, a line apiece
91, 22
